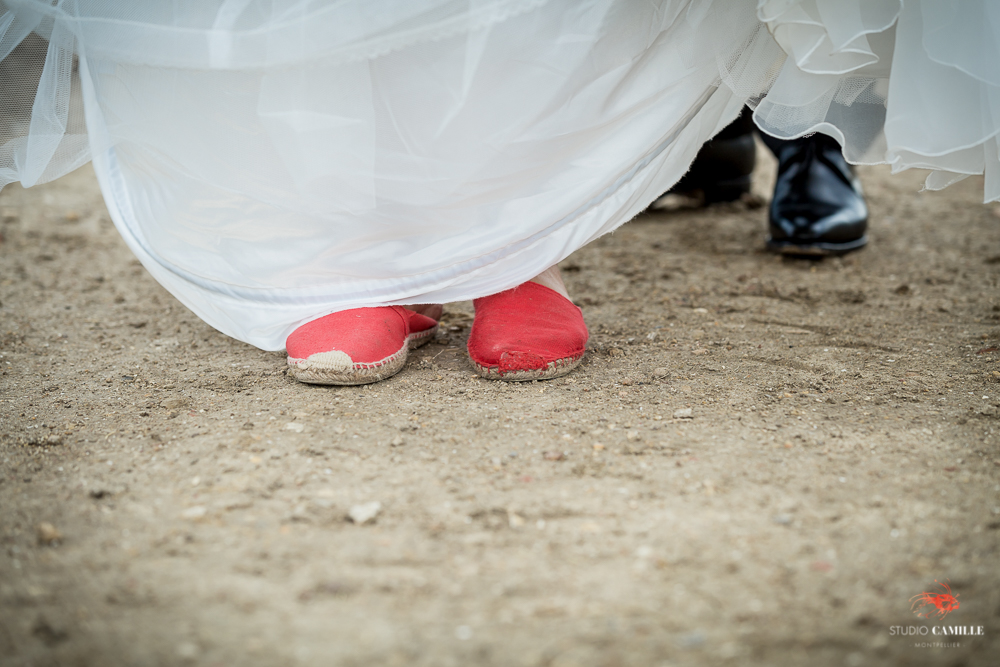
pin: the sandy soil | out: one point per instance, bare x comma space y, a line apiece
760, 462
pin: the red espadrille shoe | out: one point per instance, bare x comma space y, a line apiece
527, 333
356, 346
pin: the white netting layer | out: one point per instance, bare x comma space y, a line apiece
914, 84
270, 161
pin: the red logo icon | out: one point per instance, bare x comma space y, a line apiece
939, 604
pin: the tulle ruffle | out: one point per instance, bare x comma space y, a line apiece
914, 84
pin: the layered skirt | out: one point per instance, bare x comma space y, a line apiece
272, 161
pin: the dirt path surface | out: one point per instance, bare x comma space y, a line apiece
760, 462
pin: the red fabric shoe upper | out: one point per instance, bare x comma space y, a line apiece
366, 335
526, 328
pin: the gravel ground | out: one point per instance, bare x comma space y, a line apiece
761, 461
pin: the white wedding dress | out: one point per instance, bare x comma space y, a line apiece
271, 161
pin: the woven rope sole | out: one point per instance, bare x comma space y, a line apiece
324, 368
554, 369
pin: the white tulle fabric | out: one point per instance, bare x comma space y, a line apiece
271, 161
911, 84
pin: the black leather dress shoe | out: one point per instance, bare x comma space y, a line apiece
722, 170
818, 208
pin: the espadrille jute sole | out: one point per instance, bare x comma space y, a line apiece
337, 368
554, 369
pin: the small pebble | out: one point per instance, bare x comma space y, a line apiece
365, 513
99, 492
631, 436
397, 441
781, 519
295, 427
174, 402
187, 651
554, 456
683, 413
47, 533
635, 448
196, 512
50, 636
692, 639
